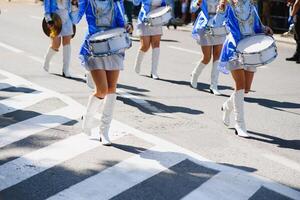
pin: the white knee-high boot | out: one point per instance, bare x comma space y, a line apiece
227, 108
155, 61
238, 106
196, 73
107, 115
138, 61
89, 121
66, 60
50, 53
214, 79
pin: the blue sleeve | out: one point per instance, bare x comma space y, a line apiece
77, 15
163, 3
120, 18
47, 6
258, 26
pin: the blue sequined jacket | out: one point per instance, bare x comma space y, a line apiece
84, 7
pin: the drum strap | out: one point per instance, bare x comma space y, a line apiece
121, 11
259, 18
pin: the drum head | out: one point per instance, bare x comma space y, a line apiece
255, 43
158, 12
55, 31
100, 36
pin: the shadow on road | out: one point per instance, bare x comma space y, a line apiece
201, 86
72, 78
17, 89
160, 107
133, 88
137, 39
273, 104
36, 141
282, 143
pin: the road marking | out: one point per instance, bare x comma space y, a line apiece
21, 101
208, 163
167, 146
122, 176
36, 162
11, 48
9, 82
139, 101
123, 93
185, 50
241, 187
35, 58
37, 124
36, 17
283, 161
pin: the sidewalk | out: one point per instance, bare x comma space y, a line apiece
21, 1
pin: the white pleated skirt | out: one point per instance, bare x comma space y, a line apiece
144, 30
208, 40
107, 63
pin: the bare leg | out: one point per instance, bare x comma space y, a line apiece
249, 78
100, 80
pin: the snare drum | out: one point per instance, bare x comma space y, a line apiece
257, 50
220, 31
159, 16
109, 42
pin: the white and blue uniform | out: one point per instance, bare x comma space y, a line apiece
112, 16
63, 9
243, 21
205, 19
147, 6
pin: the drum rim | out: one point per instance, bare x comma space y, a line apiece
164, 7
103, 40
256, 52
266, 62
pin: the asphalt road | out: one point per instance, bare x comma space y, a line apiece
163, 130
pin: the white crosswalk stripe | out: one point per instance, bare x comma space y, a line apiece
161, 156
20, 102
126, 174
6, 83
242, 187
37, 124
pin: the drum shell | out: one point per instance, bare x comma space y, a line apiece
161, 20
259, 58
109, 46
